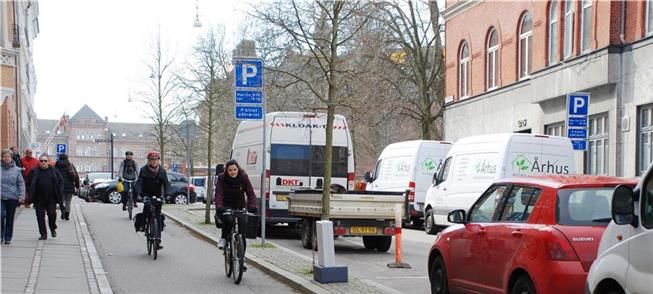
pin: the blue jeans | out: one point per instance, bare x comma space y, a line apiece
8, 214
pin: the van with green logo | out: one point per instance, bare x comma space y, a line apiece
474, 163
408, 165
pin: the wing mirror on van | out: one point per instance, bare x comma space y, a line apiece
623, 208
436, 179
457, 216
367, 177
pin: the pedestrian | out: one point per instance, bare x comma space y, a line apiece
219, 169
46, 190
129, 171
70, 183
29, 162
13, 192
231, 188
16, 156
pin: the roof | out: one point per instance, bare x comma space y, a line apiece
570, 181
87, 113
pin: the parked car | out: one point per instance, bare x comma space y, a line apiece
179, 186
474, 163
524, 235
200, 184
625, 263
88, 182
408, 165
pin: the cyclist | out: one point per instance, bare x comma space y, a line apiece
128, 171
230, 192
152, 181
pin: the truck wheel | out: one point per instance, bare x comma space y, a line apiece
369, 242
306, 234
417, 223
383, 243
429, 224
314, 235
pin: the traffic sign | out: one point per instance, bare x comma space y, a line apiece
175, 166
62, 148
577, 133
578, 104
249, 73
579, 144
577, 120
249, 96
246, 112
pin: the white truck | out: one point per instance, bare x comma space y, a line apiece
368, 214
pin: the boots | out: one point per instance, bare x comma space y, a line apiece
67, 215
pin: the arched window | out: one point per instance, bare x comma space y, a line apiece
586, 26
553, 32
463, 72
569, 28
492, 62
525, 45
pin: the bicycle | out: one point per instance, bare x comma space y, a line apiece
130, 196
153, 227
234, 249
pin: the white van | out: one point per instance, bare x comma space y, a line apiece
624, 263
473, 163
200, 183
408, 165
294, 156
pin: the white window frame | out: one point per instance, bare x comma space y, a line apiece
555, 129
492, 54
568, 31
649, 17
587, 4
463, 65
598, 145
528, 37
644, 138
554, 27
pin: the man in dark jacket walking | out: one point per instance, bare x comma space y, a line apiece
16, 157
70, 183
46, 191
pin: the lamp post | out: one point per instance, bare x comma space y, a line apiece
111, 151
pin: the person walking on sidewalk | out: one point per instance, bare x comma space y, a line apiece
129, 171
230, 193
46, 191
12, 191
70, 183
16, 156
29, 162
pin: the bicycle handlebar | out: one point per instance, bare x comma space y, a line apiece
238, 211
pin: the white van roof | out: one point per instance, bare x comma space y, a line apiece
411, 145
496, 142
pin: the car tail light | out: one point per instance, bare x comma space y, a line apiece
191, 187
558, 247
350, 181
411, 191
339, 231
389, 231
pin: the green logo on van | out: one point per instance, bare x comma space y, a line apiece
521, 163
428, 165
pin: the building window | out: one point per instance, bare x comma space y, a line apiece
463, 74
644, 150
553, 32
586, 26
555, 129
597, 147
649, 17
525, 45
492, 67
569, 28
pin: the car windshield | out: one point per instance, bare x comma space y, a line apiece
95, 176
584, 207
199, 182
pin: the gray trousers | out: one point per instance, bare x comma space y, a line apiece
67, 198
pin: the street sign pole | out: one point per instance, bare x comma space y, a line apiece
263, 174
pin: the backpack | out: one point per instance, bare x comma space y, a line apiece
129, 167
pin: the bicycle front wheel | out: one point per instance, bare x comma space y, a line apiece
130, 205
148, 239
155, 236
228, 269
238, 251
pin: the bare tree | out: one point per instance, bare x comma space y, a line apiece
208, 79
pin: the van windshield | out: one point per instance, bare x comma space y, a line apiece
305, 160
584, 207
199, 182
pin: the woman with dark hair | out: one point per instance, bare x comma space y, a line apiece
70, 183
231, 187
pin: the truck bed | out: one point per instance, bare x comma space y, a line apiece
347, 205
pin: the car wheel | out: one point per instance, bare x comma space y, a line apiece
114, 197
383, 243
181, 199
429, 225
523, 285
369, 242
307, 237
438, 277
417, 223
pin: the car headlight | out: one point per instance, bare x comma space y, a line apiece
103, 185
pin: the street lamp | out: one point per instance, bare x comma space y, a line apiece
111, 155
197, 22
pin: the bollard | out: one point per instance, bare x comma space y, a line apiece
398, 219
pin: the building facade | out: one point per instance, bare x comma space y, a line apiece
510, 66
19, 27
87, 136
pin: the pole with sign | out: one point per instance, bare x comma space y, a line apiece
250, 105
577, 119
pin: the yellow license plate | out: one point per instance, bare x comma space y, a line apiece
362, 230
282, 197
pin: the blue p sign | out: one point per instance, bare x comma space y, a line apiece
249, 73
61, 148
578, 104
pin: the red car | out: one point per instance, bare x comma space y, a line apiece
525, 235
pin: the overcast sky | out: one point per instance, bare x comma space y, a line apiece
91, 52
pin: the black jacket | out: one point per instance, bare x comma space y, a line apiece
16, 159
150, 183
55, 182
69, 174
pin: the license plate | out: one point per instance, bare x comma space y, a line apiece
363, 230
282, 197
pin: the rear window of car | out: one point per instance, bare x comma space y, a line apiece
199, 182
584, 207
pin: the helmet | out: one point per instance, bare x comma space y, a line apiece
129, 153
153, 155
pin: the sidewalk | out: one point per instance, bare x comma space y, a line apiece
65, 264
282, 263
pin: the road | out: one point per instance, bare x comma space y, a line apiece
372, 266
185, 265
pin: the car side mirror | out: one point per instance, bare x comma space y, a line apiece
457, 216
367, 177
436, 179
623, 208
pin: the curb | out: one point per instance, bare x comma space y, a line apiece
276, 272
101, 280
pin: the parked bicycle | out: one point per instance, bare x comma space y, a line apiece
234, 249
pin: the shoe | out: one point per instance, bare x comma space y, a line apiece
160, 247
43, 238
7, 242
135, 206
63, 216
54, 234
222, 243
124, 207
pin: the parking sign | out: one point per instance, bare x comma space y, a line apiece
577, 119
61, 148
249, 73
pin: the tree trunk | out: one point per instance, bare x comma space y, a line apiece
328, 159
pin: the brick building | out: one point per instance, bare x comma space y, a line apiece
511, 65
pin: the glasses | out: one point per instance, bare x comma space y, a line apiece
152, 159
43, 160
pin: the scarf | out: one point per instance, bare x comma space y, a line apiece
153, 169
233, 183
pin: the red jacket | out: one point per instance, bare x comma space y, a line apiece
28, 164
